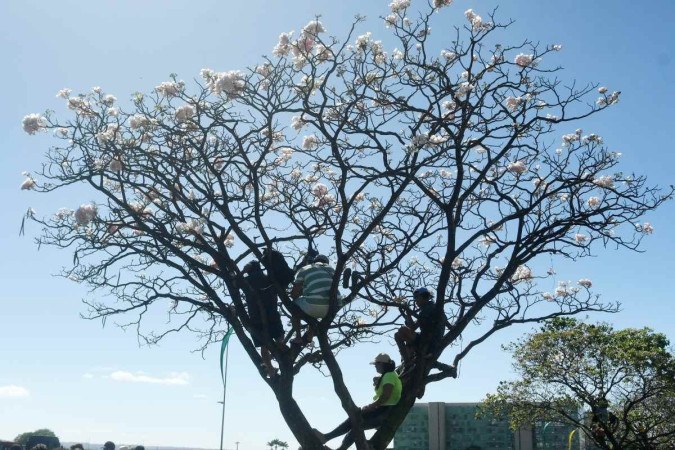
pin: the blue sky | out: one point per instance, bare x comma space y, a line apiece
90, 383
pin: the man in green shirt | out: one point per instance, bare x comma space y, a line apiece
387, 394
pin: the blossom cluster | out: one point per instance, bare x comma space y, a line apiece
169, 89
524, 60
33, 123
398, 6
230, 83
476, 21
323, 198
85, 213
517, 167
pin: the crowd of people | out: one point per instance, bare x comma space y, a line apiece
310, 289
109, 445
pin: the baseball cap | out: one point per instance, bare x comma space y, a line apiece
382, 358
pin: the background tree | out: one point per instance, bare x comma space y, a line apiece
23, 438
618, 386
437, 163
276, 444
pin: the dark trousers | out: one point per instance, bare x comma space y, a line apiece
371, 419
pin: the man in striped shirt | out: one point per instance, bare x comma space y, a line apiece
311, 291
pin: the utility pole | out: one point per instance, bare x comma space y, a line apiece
237, 444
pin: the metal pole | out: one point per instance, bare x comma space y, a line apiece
222, 418
543, 434
569, 446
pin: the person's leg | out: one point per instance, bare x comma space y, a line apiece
371, 419
341, 429
296, 324
295, 321
405, 337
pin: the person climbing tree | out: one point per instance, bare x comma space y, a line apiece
311, 293
406, 337
388, 389
261, 301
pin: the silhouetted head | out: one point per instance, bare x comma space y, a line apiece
321, 259
422, 296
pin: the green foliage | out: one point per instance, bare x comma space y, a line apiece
41, 438
617, 385
23, 437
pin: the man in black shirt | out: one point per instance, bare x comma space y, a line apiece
263, 311
407, 337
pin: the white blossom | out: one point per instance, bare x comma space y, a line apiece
79, 105
184, 113
448, 55
585, 282
513, 103
85, 213
283, 47
399, 5
517, 167
523, 60
115, 165
613, 98
140, 121
647, 228
33, 123
556, 47
28, 183
593, 202
362, 41
313, 28
522, 273
438, 4
310, 142
580, 238
604, 182
108, 135
602, 90
572, 137
64, 93
297, 122
474, 19
231, 83
109, 100
169, 89
463, 89
228, 241
189, 227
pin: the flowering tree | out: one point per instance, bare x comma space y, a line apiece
617, 386
433, 164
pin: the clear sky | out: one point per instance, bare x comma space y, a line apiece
90, 383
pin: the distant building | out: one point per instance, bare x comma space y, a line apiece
454, 426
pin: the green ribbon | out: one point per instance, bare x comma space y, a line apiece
223, 346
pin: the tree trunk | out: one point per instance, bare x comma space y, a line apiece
293, 416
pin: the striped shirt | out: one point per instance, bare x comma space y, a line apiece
316, 280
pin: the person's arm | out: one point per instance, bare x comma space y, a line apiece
387, 390
296, 291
